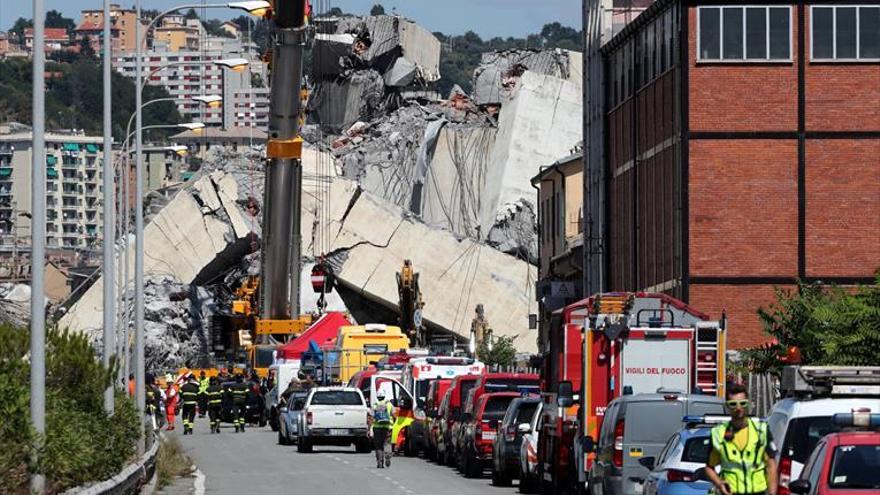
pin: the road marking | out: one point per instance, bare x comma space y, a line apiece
199, 483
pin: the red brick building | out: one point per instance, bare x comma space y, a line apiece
742, 152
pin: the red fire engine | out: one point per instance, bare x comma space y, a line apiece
610, 344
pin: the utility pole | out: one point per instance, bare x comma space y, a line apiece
109, 231
139, 371
38, 239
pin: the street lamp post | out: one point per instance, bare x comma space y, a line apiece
124, 261
255, 7
109, 232
38, 239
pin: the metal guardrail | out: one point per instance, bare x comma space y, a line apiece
127, 481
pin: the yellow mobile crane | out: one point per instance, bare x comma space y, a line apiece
266, 311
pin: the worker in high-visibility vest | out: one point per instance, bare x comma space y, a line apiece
204, 383
381, 418
743, 448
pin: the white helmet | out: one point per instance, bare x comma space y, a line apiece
380, 395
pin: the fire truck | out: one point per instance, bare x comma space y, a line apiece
612, 344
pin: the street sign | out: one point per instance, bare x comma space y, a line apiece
562, 289
417, 318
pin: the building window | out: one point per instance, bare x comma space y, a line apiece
752, 33
846, 33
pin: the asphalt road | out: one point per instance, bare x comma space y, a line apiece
253, 462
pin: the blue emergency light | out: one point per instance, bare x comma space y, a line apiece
857, 419
703, 420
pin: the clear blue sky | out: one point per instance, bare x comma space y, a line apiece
487, 18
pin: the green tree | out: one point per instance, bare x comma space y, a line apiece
827, 326
214, 27
497, 351
85, 49
55, 19
18, 29
334, 12
74, 97
149, 14
192, 14
377, 9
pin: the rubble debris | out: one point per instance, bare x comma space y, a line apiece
339, 103
15, 304
378, 43
498, 72
176, 328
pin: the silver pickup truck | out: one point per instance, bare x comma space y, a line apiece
334, 416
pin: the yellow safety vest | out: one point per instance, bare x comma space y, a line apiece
744, 470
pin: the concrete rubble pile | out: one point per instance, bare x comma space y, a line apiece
15, 304
199, 247
445, 183
465, 164
498, 72
203, 231
364, 66
370, 239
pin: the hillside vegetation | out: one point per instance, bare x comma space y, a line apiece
74, 97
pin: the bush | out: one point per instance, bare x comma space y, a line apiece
82, 442
827, 326
497, 351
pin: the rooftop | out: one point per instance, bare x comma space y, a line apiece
49, 33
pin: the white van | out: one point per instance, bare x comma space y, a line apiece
816, 393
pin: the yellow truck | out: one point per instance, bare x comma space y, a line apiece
357, 346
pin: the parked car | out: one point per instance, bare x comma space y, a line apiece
637, 426
436, 392
289, 418
844, 463
443, 427
334, 416
813, 394
459, 390
676, 470
517, 383
515, 423
479, 430
528, 453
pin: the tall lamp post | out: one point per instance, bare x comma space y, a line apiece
38, 239
254, 7
109, 232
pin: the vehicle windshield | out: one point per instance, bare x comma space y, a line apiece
422, 389
463, 389
803, 435
697, 450
297, 401
496, 407
856, 466
336, 398
525, 412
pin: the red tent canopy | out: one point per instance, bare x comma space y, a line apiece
322, 330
